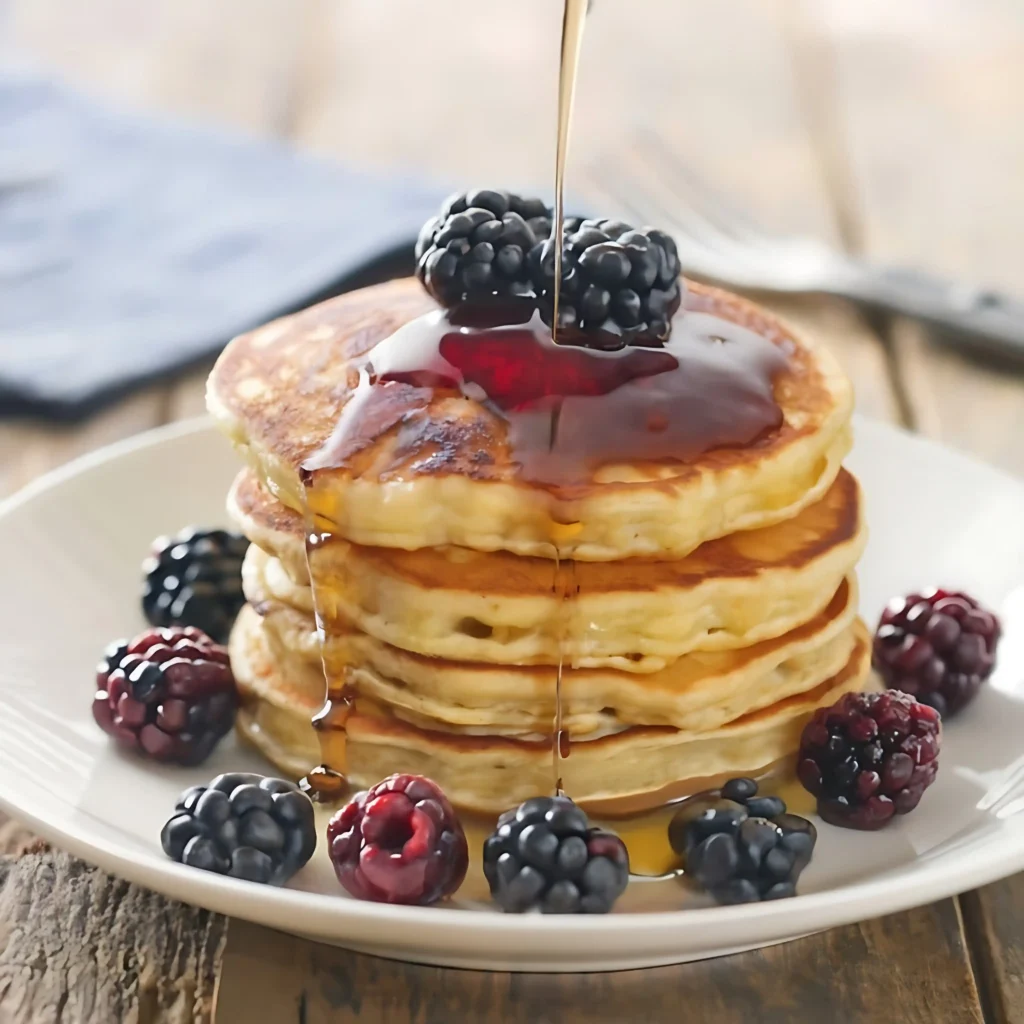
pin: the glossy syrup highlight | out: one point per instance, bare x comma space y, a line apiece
573, 20
327, 782
567, 410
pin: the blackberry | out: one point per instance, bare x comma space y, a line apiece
869, 757
938, 646
195, 579
242, 825
169, 694
399, 842
742, 847
545, 854
477, 247
620, 286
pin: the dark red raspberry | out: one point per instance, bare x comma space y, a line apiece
168, 694
939, 646
869, 756
399, 842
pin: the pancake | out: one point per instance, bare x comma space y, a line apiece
638, 765
285, 739
696, 692
637, 615
444, 473
277, 703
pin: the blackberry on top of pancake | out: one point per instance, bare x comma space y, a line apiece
619, 285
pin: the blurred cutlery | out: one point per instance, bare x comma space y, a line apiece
719, 241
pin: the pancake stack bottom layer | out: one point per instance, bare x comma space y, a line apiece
679, 667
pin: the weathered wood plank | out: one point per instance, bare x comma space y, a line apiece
930, 104
14, 837
233, 61
187, 397
77, 945
994, 922
846, 976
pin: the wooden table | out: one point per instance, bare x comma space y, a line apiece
892, 129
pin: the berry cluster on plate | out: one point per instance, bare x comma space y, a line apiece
169, 695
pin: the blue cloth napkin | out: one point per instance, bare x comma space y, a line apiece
131, 246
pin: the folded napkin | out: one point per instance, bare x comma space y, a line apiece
131, 246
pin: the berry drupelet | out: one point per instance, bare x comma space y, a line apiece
195, 579
869, 757
168, 694
399, 842
620, 286
477, 247
741, 847
243, 825
938, 646
545, 854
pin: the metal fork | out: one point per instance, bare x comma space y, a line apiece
720, 242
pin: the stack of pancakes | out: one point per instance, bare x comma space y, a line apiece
711, 605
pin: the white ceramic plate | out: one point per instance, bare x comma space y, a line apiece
70, 547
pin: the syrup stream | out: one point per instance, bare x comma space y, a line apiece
326, 783
565, 592
573, 19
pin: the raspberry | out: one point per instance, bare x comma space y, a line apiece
545, 854
869, 757
741, 847
169, 694
939, 647
399, 842
246, 826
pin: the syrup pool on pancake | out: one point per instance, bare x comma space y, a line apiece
570, 408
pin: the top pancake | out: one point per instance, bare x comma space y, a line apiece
445, 474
